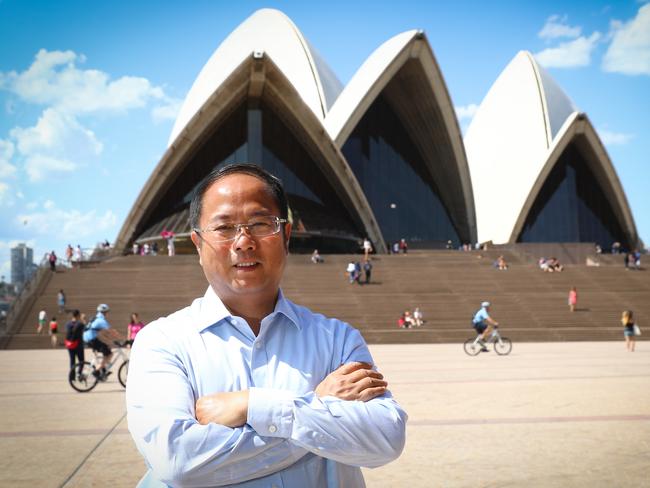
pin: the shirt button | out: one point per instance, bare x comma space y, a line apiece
273, 429
258, 345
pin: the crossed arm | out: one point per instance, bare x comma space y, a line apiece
231, 437
351, 381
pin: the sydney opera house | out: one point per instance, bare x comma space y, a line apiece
384, 157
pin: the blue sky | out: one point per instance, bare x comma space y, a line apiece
89, 90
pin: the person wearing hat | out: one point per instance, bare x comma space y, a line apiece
483, 323
92, 337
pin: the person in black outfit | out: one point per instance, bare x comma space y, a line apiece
74, 342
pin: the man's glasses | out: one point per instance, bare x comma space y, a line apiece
258, 227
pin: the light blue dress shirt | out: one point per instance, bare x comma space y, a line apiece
292, 437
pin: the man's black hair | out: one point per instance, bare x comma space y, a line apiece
273, 184
76, 313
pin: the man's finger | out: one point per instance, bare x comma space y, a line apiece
360, 374
370, 393
348, 368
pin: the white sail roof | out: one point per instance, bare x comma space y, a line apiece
508, 142
270, 32
361, 85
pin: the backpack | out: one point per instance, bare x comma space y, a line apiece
89, 325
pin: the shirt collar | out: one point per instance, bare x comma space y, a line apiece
211, 310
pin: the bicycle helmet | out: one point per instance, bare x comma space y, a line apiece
485, 304
102, 307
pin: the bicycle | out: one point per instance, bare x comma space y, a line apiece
83, 377
502, 345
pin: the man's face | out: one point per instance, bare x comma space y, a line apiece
246, 267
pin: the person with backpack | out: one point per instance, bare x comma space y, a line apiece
74, 343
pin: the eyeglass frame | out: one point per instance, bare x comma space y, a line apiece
238, 229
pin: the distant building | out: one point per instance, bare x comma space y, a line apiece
22, 264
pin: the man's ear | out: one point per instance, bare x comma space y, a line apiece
287, 236
196, 239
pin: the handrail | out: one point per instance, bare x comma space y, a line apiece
23, 302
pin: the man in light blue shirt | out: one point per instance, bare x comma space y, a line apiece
244, 387
483, 323
91, 337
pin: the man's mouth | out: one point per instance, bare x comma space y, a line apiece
246, 265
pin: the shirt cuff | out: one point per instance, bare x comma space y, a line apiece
270, 412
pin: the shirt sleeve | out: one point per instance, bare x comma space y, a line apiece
178, 450
356, 433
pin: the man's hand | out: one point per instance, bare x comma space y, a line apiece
228, 408
353, 381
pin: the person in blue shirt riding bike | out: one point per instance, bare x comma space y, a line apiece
483, 323
92, 338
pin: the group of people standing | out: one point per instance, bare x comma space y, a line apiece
354, 272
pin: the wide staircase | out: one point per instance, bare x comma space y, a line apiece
448, 286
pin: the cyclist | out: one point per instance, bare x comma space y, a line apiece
482, 323
91, 337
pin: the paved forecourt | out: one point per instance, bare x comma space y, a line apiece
550, 414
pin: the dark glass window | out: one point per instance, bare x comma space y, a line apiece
319, 216
571, 207
403, 195
315, 205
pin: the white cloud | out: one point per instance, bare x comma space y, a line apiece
54, 80
168, 111
58, 143
569, 54
6, 153
55, 133
629, 52
557, 27
466, 111
53, 220
41, 167
610, 138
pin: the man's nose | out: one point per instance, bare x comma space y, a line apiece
244, 240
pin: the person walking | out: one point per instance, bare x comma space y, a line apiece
627, 319
54, 330
60, 300
42, 319
573, 298
403, 246
74, 343
68, 254
52, 260
367, 270
367, 248
77, 256
135, 325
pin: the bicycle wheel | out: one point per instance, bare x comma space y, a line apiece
82, 379
123, 372
471, 347
503, 347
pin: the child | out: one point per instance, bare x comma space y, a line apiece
54, 329
573, 299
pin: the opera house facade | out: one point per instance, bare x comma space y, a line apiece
384, 157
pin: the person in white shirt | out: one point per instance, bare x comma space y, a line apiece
243, 386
